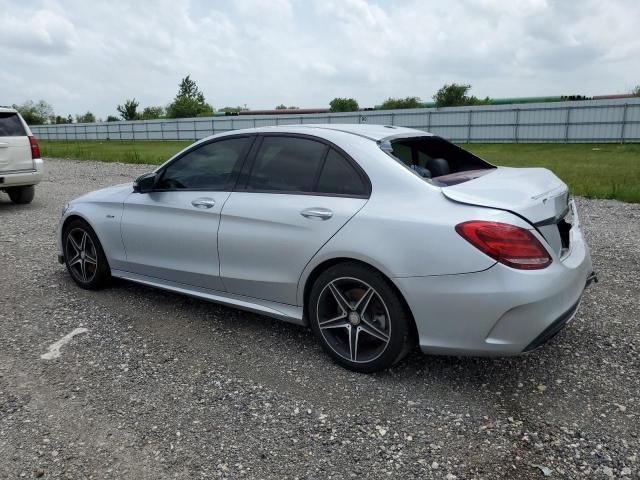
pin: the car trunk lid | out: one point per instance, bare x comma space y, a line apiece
535, 194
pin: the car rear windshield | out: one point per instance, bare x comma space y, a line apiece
10, 125
435, 159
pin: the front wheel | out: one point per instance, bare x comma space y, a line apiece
21, 194
359, 318
84, 257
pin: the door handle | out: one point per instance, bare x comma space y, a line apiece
317, 213
203, 202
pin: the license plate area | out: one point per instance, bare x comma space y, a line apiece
565, 225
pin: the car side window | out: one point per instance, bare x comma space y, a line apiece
286, 164
340, 177
208, 167
10, 125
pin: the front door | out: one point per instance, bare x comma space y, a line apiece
171, 233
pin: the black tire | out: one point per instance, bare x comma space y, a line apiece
21, 194
90, 271
385, 310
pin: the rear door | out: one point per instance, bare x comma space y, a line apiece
171, 233
297, 192
15, 150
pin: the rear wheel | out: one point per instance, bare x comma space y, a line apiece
21, 194
84, 257
359, 318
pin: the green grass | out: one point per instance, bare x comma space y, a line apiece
149, 152
590, 170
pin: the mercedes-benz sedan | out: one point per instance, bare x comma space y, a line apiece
379, 238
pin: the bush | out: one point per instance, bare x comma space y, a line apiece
400, 103
455, 95
344, 105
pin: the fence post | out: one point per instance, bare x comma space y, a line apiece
429, 121
393, 118
161, 130
146, 129
624, 123
119, 131
515, 132
566, 126
195, 134
469, 127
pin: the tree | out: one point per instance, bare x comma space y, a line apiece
35, 113
455, 95
129, 111
189, 101
86, 118
343, 105
59, 120
69, 119
152, 113
400, 103
112, 118
282, 106
636, 91
232, 109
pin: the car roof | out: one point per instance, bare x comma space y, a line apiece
7, 109
371, 132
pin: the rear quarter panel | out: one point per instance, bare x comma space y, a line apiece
407, 229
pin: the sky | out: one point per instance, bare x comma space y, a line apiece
81, 55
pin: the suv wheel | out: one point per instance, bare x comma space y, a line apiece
84, 257
359, 318
21, 194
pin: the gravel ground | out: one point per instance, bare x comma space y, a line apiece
164, 386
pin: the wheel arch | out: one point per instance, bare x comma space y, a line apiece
75, 215
328, 263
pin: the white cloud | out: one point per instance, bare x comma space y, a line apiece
82, 55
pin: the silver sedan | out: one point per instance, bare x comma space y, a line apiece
378, 238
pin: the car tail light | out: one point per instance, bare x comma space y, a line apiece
510, 245
35, 148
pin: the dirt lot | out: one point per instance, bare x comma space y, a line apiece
163, 386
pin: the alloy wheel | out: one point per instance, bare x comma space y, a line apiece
353, 319
81, 254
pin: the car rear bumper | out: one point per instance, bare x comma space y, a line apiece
499, 311
21, 178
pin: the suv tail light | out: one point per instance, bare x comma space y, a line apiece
510, 245
35, 148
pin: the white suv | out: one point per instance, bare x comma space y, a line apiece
21, 167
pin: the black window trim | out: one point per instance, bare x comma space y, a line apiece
235, 173
242, 183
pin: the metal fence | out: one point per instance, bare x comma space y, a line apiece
563, 122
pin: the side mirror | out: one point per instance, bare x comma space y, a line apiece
145, 183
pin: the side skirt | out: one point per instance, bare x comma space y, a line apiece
288, 313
